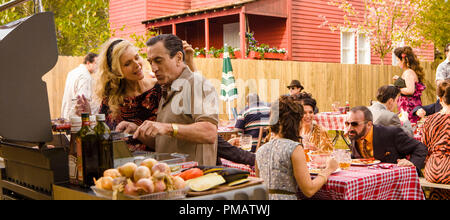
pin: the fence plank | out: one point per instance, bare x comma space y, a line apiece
327, 82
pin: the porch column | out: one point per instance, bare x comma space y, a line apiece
207, 36
174, 29
242, 30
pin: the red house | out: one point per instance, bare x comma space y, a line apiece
290, 24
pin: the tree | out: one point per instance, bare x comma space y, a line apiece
435, 22
81, 26
387, 23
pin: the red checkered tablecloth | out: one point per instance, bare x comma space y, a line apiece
227, 163
362, 183
331, 120
417, 130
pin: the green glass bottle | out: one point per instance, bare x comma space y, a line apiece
89, 150
105, 146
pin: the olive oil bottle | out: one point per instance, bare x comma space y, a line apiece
104, 144
90, 153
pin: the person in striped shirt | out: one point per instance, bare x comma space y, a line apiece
255, 115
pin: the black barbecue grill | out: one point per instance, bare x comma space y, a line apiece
28, 50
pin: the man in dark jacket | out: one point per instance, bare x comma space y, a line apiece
388, 144
232, 153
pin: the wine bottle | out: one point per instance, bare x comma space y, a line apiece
105, 147
89, 150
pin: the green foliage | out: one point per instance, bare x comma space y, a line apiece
81, 26
435, 22
141, 40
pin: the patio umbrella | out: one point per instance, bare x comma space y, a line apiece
228, 90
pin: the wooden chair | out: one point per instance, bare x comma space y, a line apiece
260, 137
425, 183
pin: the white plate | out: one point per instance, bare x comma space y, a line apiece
356, 163
317, 171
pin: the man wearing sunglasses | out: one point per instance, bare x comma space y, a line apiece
389, 144
295, 88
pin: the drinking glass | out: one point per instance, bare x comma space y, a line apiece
246, 142
343, 157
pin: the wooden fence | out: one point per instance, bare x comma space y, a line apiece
327, 82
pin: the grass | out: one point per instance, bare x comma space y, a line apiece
340, 144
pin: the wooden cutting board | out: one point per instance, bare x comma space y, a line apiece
225, 187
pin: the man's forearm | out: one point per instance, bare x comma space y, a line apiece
200, 132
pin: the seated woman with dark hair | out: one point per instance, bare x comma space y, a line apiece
313, 135
281, 162
436, 137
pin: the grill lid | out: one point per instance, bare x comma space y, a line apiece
28, 50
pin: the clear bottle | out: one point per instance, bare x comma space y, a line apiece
75, 166
105, 146
89, 148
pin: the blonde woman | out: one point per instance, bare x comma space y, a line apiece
129, 94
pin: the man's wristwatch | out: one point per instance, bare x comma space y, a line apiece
175, 130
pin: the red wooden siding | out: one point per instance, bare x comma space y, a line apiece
208, 3
128, 13
310, 42
318, 44
158, 8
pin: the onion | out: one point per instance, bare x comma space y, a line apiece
150, 162
178, 182
113, 173
131, 189
161, 167
146, 184
160, 186
141, 172
127, 169
107, 183
104, 183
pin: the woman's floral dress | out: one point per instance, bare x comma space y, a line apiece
408, 103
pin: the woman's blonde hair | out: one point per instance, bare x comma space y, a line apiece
111, 84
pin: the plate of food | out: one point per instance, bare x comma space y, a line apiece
365, 162
317, 171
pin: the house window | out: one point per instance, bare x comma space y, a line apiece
348, 47
363, 49
231, 35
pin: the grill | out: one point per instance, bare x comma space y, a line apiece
28, 50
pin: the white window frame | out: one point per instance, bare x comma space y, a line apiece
351, 46
365, 50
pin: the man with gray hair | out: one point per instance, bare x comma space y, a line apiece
389, 144
188, 111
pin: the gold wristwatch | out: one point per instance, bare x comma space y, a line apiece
175, 130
